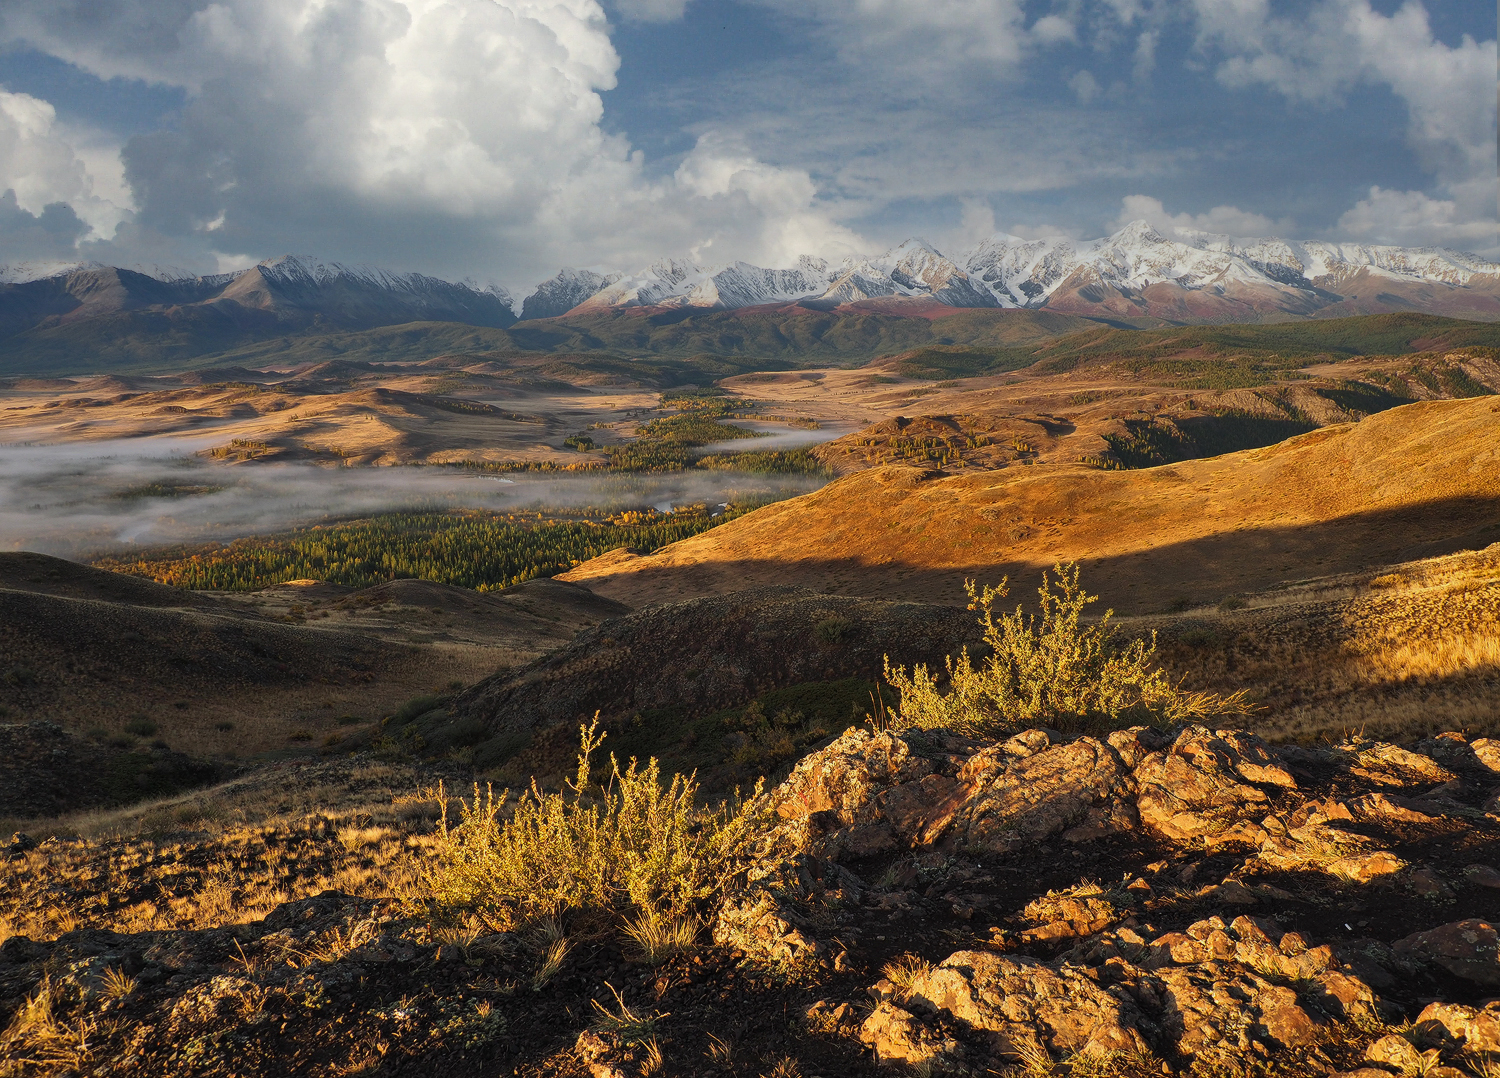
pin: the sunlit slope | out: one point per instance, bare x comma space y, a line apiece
1413, 481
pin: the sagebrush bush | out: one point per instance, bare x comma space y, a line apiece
628, 848
1050, 669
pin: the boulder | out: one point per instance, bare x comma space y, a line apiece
1080, 791
897, 1035
1205, 784
1469, 949
1457, 1026
1020, 1003
1216, 1010
1392, 766
1398, 1052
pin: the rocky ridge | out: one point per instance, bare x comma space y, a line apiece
1222, 837
1139, 903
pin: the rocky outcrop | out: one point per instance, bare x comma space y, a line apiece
886, 825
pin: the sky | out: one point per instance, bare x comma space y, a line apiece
499, 140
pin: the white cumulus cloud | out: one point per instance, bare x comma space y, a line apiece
1411, 218
69, 181
458, 136
1221, 220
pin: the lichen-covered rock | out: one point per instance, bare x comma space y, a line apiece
867, 792
1080, 790
1393, 766
1067, 915
1021, 1002
1469, 949
1215, 1009
897, 1035
1400, 1053
606, 1055
1458, 1026
1207, 782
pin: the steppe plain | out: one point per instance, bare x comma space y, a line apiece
227, 797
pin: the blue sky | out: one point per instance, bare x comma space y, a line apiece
502, 139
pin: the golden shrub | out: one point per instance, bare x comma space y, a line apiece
1050, 669
629, 846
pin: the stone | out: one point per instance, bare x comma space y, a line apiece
1459, 1026
1233, 893
844, 778
1135, 744
1365, 867
604, 1055
1012, 804
1469, 949
1398, 1052
1486, 752
1069, 915
1215, 1010
1201, 786
1391, 765
1021, 1002
1426, 883
1483, 875
1029, 743
1381, 808
897, 1035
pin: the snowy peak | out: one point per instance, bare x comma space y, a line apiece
304, 272
564, 292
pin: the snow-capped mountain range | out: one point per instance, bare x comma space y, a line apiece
1136, 275
1134, 272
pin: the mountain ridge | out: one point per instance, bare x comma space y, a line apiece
1136, 272
56, 318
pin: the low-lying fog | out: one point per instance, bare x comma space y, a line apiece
779, 436
78, 500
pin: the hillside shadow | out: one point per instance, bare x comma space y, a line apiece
1171, 576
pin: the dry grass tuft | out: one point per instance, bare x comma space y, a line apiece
117, 984
660, 937
632, 1027
903, 972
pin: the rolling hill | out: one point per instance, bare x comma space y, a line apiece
1409, 482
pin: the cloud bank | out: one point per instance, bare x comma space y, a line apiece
471, 137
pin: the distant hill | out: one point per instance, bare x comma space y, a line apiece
1212, 354
93, 318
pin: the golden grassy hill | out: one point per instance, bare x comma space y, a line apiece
1411, 482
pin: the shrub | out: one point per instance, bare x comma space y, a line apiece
1050, 670
628, 847
832, 630
140, 726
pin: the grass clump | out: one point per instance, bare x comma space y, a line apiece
626, 850
1050, 670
